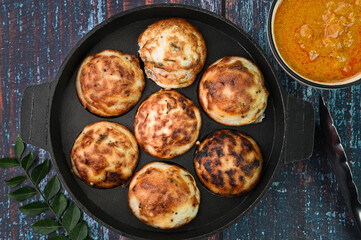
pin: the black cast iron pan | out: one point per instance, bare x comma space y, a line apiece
52, 117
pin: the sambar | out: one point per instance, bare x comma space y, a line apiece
320, 40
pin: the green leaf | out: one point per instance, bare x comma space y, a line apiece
19, 147
15, 181
40, 171
88, 238
71, 217
60, 237
45, 226
27, 161
80, 231
59, 204
33, 209
8, 163
22, 193
52, 187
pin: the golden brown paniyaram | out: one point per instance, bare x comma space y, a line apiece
109, 83
173, 52
104, 155
228, 163
232, 92
167, 124
163, 195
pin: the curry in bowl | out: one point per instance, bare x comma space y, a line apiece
320, 41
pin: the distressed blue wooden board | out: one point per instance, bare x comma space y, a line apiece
304, 202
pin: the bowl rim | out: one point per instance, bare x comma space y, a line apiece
292, 73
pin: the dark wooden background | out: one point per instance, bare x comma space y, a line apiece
304, 201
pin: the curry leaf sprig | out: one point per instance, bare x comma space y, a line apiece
67, 218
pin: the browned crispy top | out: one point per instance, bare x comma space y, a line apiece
104, 154
167, 124
229, 89
234, 80
166, 196
110, 83
173, 51
228, 162
160, 191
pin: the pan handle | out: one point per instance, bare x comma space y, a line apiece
35, 115
300, 129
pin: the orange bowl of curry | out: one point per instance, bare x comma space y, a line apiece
317, 42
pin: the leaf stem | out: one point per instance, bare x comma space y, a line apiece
46, 201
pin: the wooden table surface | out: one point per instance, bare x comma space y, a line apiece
304, 201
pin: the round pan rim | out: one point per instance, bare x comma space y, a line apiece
219, 18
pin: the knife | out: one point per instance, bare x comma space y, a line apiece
336, 155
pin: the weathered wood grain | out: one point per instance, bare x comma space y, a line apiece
304, 201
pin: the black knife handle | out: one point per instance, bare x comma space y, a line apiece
346, 183
337, 157
35, 115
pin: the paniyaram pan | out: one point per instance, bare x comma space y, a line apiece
52, 117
